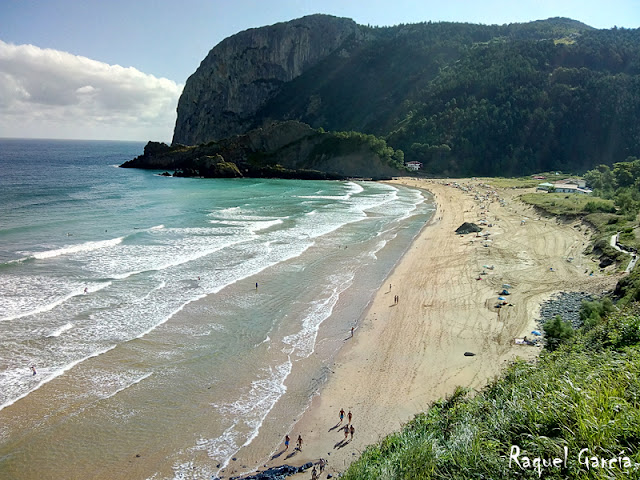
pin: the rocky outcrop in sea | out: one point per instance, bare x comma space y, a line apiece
279, 150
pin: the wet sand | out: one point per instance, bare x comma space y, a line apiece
405, 355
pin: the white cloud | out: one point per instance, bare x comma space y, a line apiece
53, 94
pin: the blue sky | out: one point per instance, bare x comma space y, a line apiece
114, 69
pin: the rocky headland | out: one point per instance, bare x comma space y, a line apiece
281, 150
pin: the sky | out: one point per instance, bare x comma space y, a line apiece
114, 69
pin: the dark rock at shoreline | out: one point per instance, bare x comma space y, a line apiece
276, 473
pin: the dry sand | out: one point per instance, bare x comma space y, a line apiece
405, 356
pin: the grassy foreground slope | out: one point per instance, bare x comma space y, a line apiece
584, 395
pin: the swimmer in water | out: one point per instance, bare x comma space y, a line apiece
33, 369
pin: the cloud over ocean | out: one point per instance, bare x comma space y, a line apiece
58, 94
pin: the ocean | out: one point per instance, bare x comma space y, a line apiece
173, 322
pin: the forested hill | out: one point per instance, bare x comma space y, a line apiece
463, 99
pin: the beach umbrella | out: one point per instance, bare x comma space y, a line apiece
506, 285
501, 298
536, 333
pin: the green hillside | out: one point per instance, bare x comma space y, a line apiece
470, 99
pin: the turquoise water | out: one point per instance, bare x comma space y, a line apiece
134, 296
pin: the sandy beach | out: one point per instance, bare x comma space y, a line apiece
405, 355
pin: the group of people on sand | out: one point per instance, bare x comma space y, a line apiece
287, 440
321, 463
348, 428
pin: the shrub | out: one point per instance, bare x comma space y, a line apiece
592, 313
596, 206
557, 331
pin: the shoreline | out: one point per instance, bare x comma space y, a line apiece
407, 355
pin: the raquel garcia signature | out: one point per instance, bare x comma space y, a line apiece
584, 458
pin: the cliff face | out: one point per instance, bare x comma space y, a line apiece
244, 71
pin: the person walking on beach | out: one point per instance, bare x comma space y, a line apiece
349, 417
256, 285
286, 442
33, 369
352, 430
351, 331
300, 442
314, 474
341, 415
322, 463
346, 432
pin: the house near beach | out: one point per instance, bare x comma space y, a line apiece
574, 181
546, 186
570, 188
415, 166
562, 187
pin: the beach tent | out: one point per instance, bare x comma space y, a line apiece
505, 292
506, 285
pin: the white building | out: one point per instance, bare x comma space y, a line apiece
545, 186
413, 165
570, 188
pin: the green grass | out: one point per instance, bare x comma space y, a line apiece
515, 182
568, 203
584, 395
599, 213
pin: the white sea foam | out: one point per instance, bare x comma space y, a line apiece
257, 226
352, 189
379, 246
249, 267
56, 303
189, 246
59, 331
53, 375
250, 410
266, 340
129, 385
81, 247
303, 342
